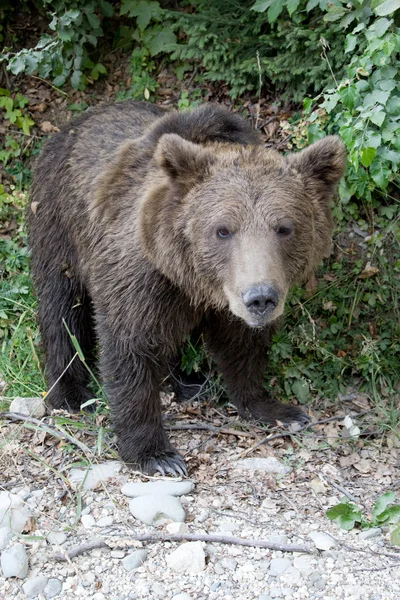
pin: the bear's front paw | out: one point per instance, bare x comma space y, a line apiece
271, 411
169, 462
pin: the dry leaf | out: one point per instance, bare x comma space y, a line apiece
48, 127
317, 486
368, 271
34, 206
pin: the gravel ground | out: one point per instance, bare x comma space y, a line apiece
280, 498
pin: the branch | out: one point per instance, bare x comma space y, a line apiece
183, 537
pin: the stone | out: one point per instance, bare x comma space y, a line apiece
105, 522
35, 586
56, 538
117, 553
13, 512
53, 588
322, 540
267, 465
369, 533
188, 558
158, 591
134, 560
177, 528
93, 475
304, 563
6, 534
88, 521
148, 509
229, 563
181, 597
279, 566
14, 562
30, 407
154, 488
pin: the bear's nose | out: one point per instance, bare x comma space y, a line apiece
261, 299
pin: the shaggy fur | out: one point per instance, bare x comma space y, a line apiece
149, 224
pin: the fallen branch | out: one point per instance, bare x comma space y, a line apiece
181, 537
212, 428
57, 434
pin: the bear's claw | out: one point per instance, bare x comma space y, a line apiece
168, 464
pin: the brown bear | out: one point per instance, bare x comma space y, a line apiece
146, 224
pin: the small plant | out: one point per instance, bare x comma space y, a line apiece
384, 513
13, 110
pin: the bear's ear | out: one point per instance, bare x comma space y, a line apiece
322, 164
184, 162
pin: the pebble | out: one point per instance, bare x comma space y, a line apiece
105, 522
162, 488
117, 554
134, 560
30, 407
322, 540
88, 521
148, 509
369, 533
177, 528
268, 465
304, 563
229, 563
158, 590
14, 562
181, 597
188, 558
35, 585
53, 588
6, 534
279, 566
91, 477
56, 538
13, 512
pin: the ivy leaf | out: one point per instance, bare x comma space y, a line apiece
386, 8
17, 64
382, 503
346, 514
395, 536
367, 155
301, 390
76, 79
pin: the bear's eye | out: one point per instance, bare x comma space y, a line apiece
284, 231
223, 233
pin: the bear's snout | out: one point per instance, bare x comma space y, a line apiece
261, 300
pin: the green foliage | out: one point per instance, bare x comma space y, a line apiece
236, 45
384, 513
65, 54
13, 109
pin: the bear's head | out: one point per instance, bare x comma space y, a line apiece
236, 226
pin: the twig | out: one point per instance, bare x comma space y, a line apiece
340, 488
51, 85
293, 433
266, 122
377, 568
182, 537
212, 428
193, 75
46, 428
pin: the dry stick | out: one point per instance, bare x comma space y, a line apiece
340, 488
211, 428
61, 436
182, 537
294, 433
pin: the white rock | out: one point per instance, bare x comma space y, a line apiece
30, 407
105, 522
88, 521
163, 488
182, 597
92, 476
268, 465
5, 536
13, 512
56, 538
304, 563
229, 563
278, 538
134, 560
177, 528
53, 588
188, 558
322, 540
14, 562
279, 566
35, 585
370, 533
151, 508
117, 554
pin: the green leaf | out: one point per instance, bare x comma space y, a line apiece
346, 514
372, 139
382, 503
76, 79
17, 64
93, 19
159, 41
301, 390
380, 174
261, 5
367, 155
348, 95
292, 5
380, 26
393, 106
376, 97
330, 102
335, 13
351, 42
275, 10
377, 117
395, 536
390, 516
386, 8
106, 8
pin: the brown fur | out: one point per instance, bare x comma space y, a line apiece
132, 202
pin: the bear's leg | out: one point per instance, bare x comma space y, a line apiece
132, 380
241, 357
63, 299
